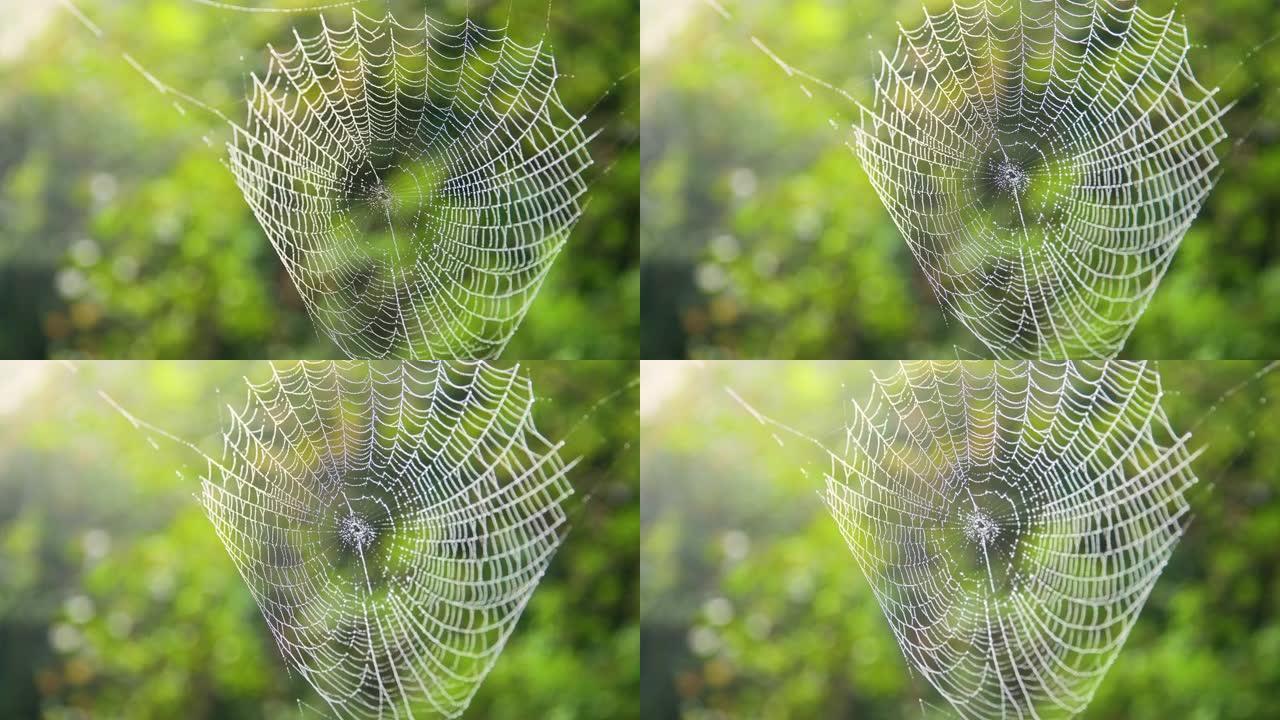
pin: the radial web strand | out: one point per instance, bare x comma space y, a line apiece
1011, 519
391, 523
1043, 160
417, 181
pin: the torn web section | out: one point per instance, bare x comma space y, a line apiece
417, 181
1011, 519
391, 522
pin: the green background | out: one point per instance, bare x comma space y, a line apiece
762, 237
117, 599
753, 607
122, 235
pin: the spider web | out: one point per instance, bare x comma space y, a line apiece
417, 181
391, 524
1011, 519
1043, 160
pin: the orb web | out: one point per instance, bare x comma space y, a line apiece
391, 523
417, 181
1011, 519
1043, 160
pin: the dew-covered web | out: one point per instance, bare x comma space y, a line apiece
416, 180
1043, 160
1011, 519
391, 522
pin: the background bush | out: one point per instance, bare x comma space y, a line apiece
122, 235
753, 607
762, 237
118, 600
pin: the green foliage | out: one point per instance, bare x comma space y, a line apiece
117, 598
762, 237
752, 605
123, 235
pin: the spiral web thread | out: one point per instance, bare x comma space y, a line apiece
417, 181
391, 522
1011, 519
1043, 160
